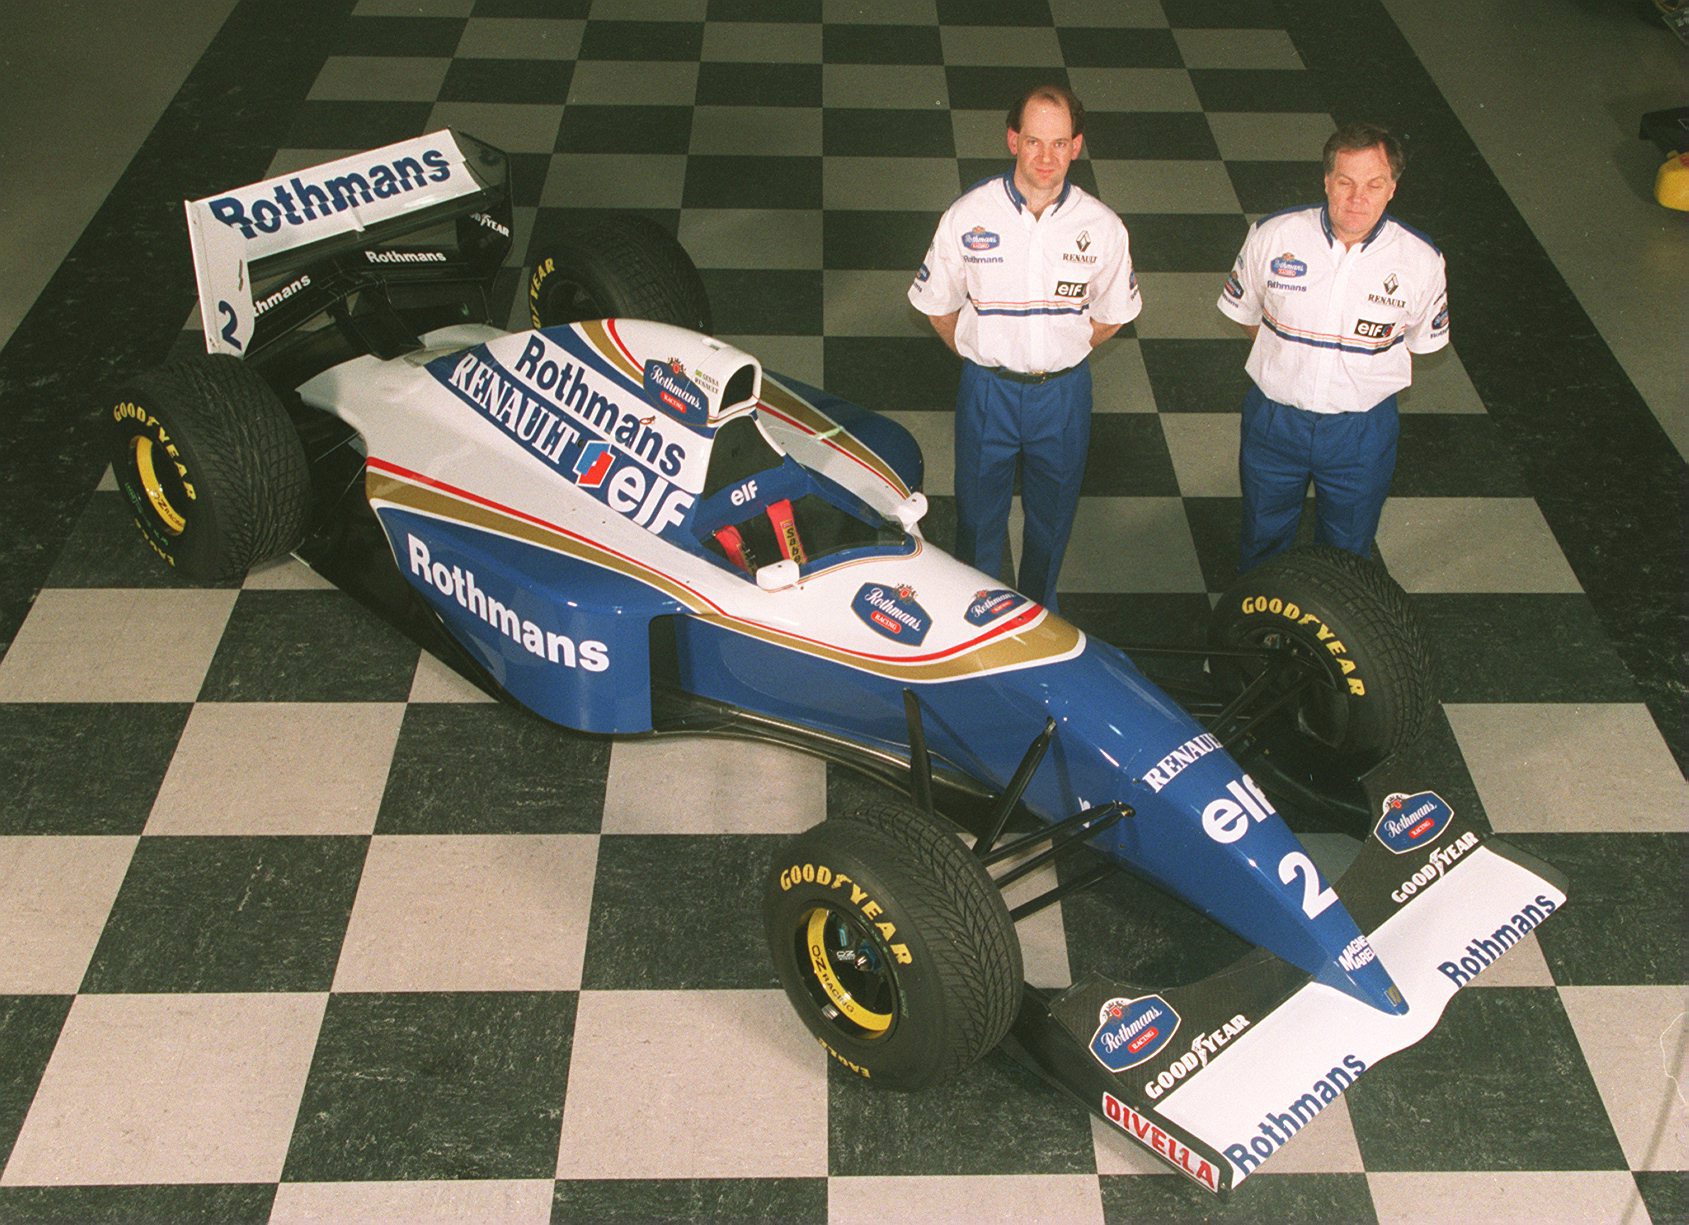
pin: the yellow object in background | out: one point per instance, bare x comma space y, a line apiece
1671, 184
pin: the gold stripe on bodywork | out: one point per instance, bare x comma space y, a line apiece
598, 336
1045, 640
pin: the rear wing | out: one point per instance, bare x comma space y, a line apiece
269, 256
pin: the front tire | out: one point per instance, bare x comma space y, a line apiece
894, 945
1349, 619
620, 266
211, 466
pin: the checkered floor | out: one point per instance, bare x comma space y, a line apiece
295, 925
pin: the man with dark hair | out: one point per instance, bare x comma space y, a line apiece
1335, 296
1026, 274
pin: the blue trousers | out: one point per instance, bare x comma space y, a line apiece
1349, 458
1047, 428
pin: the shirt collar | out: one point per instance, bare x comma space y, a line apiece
1019, 201
1331, 237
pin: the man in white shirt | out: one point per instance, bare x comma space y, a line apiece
1336, 297
1026, 274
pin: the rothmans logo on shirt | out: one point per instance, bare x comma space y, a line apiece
980, 239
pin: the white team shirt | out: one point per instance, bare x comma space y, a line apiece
1337, 324
1033, 283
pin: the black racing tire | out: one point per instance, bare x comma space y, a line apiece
1373, 696
619, 266
925, 973
211, 465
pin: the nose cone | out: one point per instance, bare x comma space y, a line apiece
1357, 971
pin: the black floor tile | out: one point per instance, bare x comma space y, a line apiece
479, 769
1626, 917
892, 373
29, 1028
770, 302
675, 912
765, 10
1265, 1199
84, 767
994, 13
1127, 929
1128, 458
1234, 15
356, 125
1162, 135
756, 84
1186, 242
505, 80
1259, 89
1523, 1098
1522, 648
416, 36
434, 1085
735, 181
881, 44
1214, 524
1666, 1194
771, 1200
212, 1203
1196, 376
1455, 456
992, 1118
575, 10
887, 133
552, 224
308, 646
1106, 47
678, 41
625, 129
229, 913
1267, 187
993, 88
527, 177
875, 240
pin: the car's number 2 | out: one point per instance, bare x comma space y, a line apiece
228, 332
1314, 898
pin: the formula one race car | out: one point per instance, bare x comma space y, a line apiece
629, 527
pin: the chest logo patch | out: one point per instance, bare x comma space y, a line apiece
980, 239
1071, 289
1287, 265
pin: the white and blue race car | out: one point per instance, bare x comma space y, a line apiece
629, 527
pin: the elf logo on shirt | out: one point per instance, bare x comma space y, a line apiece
980, 239
1071, 289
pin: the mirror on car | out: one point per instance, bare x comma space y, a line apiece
778, 575
911, 510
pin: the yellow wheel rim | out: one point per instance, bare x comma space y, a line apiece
154, 488
820, 963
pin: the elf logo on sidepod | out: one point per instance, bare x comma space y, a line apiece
1412, 821
1130, 1031
893, 613
988, 605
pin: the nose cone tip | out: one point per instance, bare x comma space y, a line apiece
1371, 984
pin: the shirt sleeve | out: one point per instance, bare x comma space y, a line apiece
1117, 300
1240, 297
939, 286
1428, 330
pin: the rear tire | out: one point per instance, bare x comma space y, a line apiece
211, 466
1374, 695
894, 945
620, 266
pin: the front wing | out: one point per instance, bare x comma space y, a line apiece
1216, 1076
